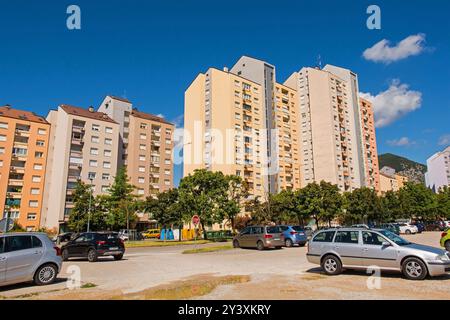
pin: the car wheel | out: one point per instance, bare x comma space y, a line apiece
118, 257
92, 255
260, 245
302, 244
45, 275
408, 231
235, 244
331, 265
447, 245
65, 255
414, 269
289, 243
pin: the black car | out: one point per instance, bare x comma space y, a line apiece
92, 245
434, 226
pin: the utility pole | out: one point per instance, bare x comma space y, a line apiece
90, 203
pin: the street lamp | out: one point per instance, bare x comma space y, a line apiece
6, 213
90, 201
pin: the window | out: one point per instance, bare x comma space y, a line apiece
141, 158
107, 165
105, 176
37, 166
143, 126
93, 163
372, 238
40, 143
2, 150
141, 169
18, 243
143, 136
31, 217
105, 189
1, 163
94, 151
95, 127
2, 137
35, 191
42, 132
167, 182
36, 242
347, 237
167, 161
108, 141
107, 153
140, 191
109, 130
36, 179
33, 204
95, 139
91, 175
326, 236
142, 147
167, 171
168, 141
141, 180
3, 125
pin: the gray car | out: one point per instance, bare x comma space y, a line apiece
260, 237
28, 257
355, 248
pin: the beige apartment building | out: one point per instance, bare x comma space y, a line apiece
369, 141
24, 139
84, 146
224, 128
146, 146
390, 180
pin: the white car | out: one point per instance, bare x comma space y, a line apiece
406, 228
447, 223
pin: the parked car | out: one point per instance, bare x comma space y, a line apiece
308, 231
434, 226
420, 226
260, 237
406, 228
293, 235
363, 226
28, 257
92, 245
151, 234
445, 239
392, 227
354, 248
63, 238
447, 223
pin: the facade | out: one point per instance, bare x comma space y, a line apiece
24, 140
390, 180
84, 146
438, 173
224, 128
369, 142
146, 146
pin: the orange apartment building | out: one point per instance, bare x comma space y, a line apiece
24, 138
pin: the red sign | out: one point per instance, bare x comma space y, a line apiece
196, 219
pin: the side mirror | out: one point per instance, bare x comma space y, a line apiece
386, 244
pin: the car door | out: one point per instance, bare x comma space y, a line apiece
74, 247
244, 237
255, 234
376, 254
347, 244
2, 260
21, 258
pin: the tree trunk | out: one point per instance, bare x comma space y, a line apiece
204, 231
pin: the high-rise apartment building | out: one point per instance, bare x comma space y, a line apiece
24, 139
315, 125
145, 146
84, 146
390, 180
438, 173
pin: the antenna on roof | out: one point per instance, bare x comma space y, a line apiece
319, 62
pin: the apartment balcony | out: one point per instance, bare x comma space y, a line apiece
76, 154
69, 205
72, 178
156, 143
17, 195
77, 142
22, 133
156, 133
16, 182
78, 129
155, 164
15, 169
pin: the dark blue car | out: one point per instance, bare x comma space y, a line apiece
293, 235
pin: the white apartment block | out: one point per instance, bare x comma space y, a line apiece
438, 174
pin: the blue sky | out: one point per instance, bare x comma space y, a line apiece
149, 51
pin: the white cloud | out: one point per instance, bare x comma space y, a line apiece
178, 121
384, 52
394, 103
160, 115
444, 140
402, 142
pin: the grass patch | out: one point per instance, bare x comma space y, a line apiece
185, 289
208, 249
159, 243
88, 285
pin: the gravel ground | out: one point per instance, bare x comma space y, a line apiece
274, 274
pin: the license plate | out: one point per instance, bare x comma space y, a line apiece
114, 248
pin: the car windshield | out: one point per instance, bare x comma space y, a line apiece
395, 238
298, 228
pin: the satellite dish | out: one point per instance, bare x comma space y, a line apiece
6, 222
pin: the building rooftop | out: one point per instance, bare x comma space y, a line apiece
86, 113
9, 112
147, 116
119, 99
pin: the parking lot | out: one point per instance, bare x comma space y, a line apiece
269, 274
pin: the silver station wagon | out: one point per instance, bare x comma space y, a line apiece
355, 248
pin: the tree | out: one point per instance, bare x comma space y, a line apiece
165, 208
83, 202
390, 206
121, 204
236, 193
443, 202
417, 201
362, 205
204, 193
259, 210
